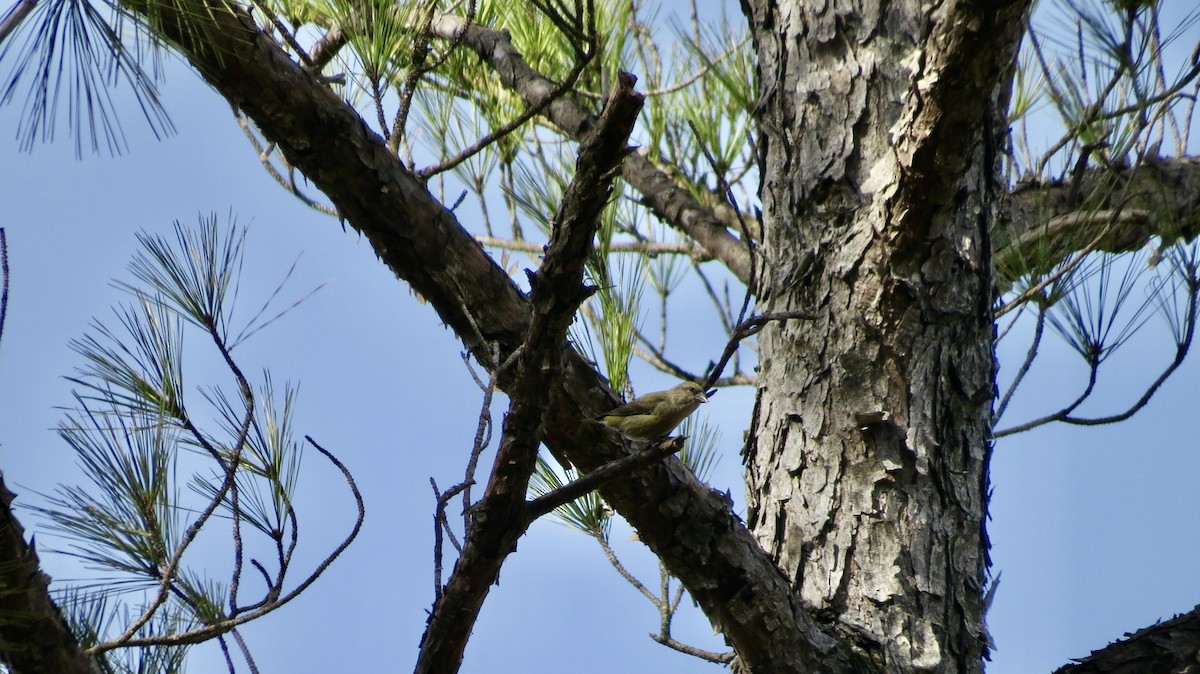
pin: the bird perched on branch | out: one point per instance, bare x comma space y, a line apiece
655, 414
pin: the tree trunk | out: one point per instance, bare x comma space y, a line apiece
867, 459
868, 453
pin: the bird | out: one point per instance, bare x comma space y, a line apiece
654, 415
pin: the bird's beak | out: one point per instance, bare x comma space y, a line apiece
701, 397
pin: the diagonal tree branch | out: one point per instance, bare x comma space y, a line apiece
501, 516
546, 503
1170, 647
1046, 222
690, 526
660, 193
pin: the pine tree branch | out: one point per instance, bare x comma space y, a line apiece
502, 515
593, 480
639, 247
13, 18
737, 584
1171, 647
662, 195
1046, 222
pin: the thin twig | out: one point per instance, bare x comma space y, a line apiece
326, 48
377, 99
3, 280
624, 573
440, 524
416, 70
228, 656
264, 153
727, 192
749, 328
168, 573
15, 16
237, 636
577, 488
725, 313
221, 627
288, 37
646, 248
483, 431
719, 658
1024, 369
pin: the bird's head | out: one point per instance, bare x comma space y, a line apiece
688, 392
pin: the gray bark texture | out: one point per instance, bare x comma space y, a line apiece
882, 125
868, 455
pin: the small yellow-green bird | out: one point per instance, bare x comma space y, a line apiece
655, 414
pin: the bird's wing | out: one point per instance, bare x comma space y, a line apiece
644, 405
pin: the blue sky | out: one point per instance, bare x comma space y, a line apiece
1093, 529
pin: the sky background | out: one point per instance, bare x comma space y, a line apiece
1093, 529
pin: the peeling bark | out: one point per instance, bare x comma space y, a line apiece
867, 461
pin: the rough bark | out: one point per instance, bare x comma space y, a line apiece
34, 637
867, 460
502, 515
867, 463
688, 525
1114, 210
1170, 647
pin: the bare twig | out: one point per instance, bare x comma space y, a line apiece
748, 328
727, 193
1024, 369
621, 570
237, 636
590, 482
3, 280
15, 16
641, 247
228, 656
264, 157
724, 311
440, 524
501, 516
221, 627
171, 568
719, 658
285, 33
666, 614
416, 70
326, 48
